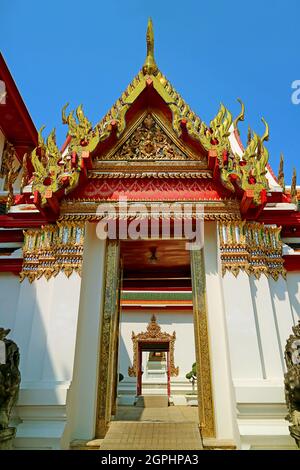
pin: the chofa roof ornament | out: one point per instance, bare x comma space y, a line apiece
150, 67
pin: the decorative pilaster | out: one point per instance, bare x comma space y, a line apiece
251, 247
204, 386
52, 249
108, 338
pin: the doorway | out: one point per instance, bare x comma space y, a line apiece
158, 277
157, 364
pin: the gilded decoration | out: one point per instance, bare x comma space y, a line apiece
52, 249
251, 247
153, 334
109, 332
56, 170
9, 172
149, 142
204, 385
80, 210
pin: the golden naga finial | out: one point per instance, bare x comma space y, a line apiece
281, 172
150, 67
241, 116
294, 198
249, 135
266, 135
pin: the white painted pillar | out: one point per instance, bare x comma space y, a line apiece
83, 392
244, 342
223, 392
267, 327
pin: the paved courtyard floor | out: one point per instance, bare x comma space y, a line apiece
172, 428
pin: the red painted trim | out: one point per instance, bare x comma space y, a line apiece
292, 262
158, 289
11, 236
280, 217
24, 222
14, 94
13, 265
169, 308
238, 138
272, 172
66, 143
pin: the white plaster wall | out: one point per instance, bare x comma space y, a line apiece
260, 314
244, 342
44, 329
178, 321
9, 294
266, 327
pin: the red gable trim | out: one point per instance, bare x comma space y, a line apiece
14, 95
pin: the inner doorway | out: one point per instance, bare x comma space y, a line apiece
157, 364
156, 322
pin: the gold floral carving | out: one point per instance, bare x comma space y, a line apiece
149, 142
153, 334
81, 209
53, 249
204, 386
251, 247
109, 333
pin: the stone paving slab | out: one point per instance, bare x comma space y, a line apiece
124, 435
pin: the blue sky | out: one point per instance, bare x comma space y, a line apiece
212, 51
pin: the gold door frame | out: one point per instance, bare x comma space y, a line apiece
110, 330
109, 334
204, 386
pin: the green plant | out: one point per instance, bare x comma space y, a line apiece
192, 375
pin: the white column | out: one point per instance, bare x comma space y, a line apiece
83, 392
267, 327
244, 342
223, 393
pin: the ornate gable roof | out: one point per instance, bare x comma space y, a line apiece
150, 132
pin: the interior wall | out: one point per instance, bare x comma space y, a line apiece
178, 321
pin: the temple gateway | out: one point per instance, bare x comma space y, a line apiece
149, 271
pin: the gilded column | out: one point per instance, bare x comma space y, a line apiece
204, 387
109, 333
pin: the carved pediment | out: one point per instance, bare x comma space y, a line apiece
149, 140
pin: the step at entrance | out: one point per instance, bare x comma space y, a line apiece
152, 401
124, 435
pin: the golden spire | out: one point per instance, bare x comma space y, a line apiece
150, 67
281, 172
